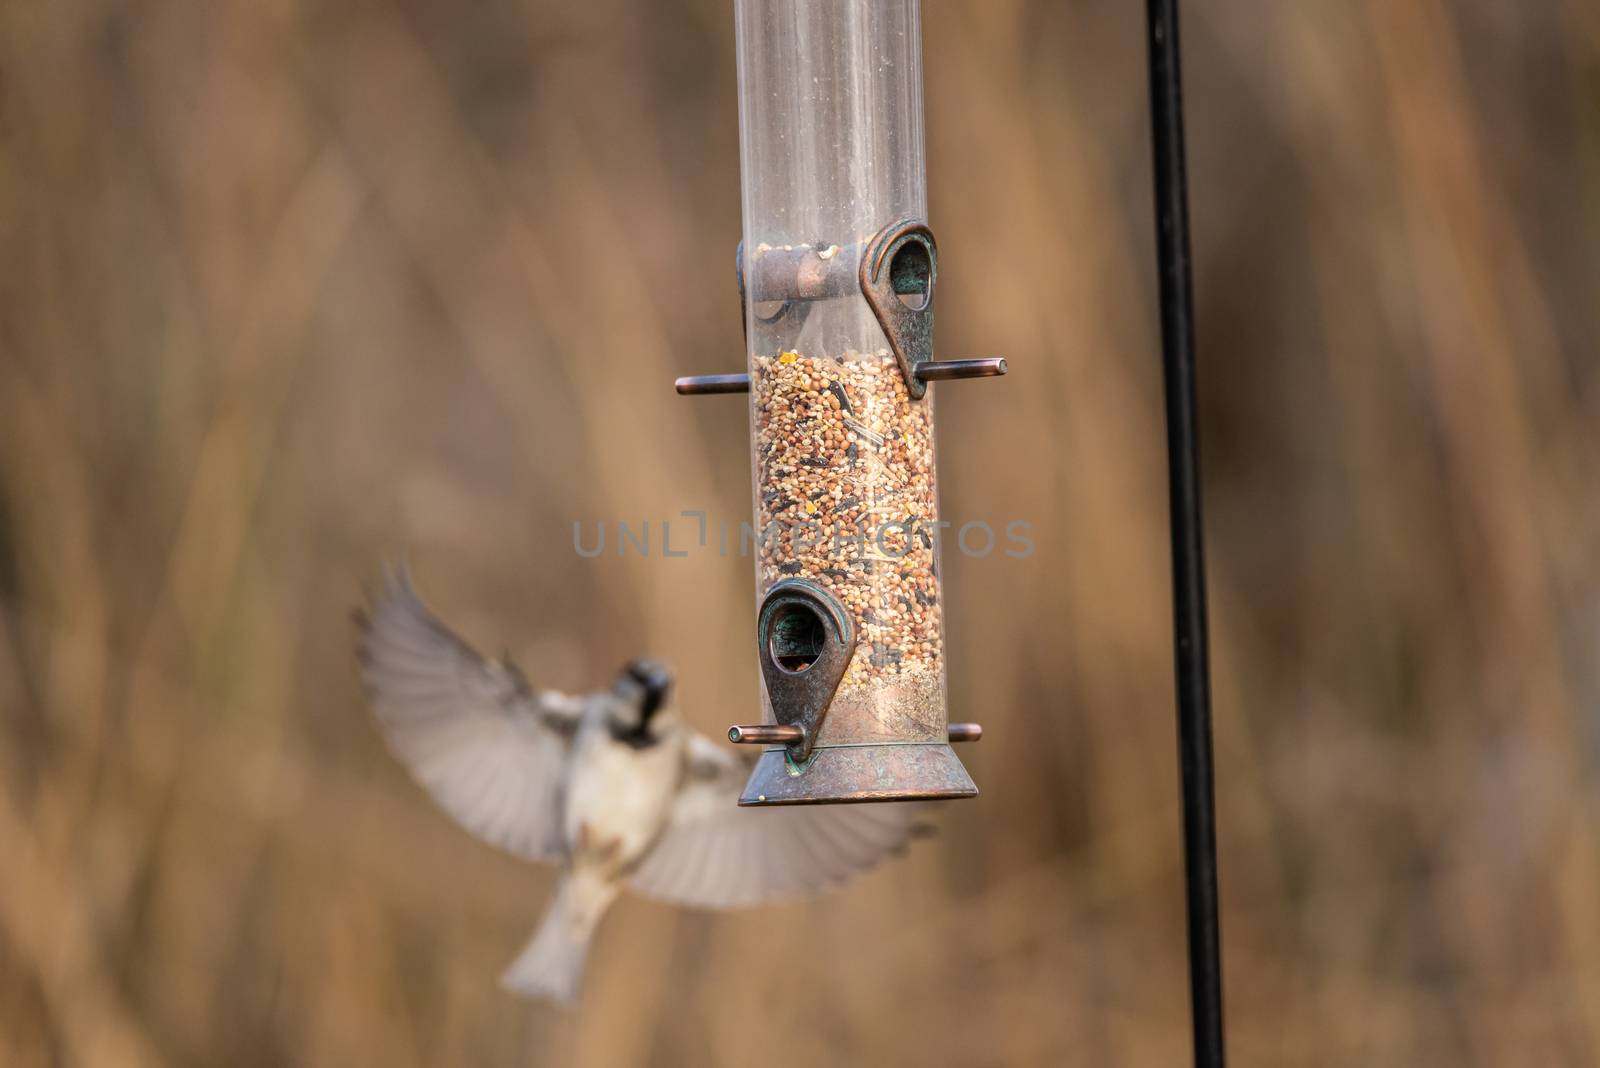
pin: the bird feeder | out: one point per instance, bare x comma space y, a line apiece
838, 273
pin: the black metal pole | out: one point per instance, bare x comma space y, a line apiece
1188, 553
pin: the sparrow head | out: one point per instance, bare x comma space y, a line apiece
643, 686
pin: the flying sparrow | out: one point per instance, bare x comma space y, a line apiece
611, 787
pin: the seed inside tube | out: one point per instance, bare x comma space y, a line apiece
860, 532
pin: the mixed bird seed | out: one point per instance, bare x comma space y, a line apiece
844, 470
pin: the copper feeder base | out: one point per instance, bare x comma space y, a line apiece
922, 771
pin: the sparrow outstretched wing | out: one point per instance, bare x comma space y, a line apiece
489, 748
714, 854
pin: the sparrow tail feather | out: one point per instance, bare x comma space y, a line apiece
551, 966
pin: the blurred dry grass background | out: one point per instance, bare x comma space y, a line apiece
288, 287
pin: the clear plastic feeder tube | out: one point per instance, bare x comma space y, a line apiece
830, 109
830, 122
